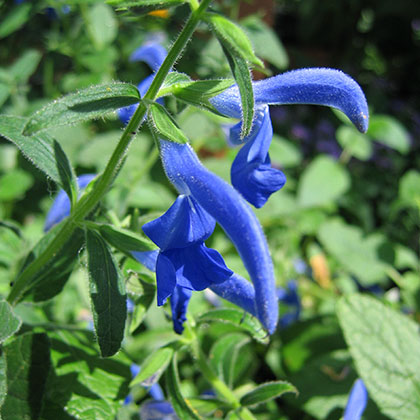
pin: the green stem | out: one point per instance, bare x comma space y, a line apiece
89, 201
217, 384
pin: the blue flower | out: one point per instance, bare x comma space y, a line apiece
60, 208
357, 401
183, 259
317, 86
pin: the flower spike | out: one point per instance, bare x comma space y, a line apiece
228, 208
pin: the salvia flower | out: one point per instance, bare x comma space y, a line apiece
317, 86
184, 262
208, 197
357, 401
61, 206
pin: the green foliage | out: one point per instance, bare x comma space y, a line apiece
381, 341
90, 103
108, 295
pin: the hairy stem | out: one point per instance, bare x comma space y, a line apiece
89, 201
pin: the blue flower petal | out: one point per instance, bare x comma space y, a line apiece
251, 172
60, 208
147, 258
317, 86
179, 303
197, 266
230, 210
165, 278
185, 223
239, 291
152, 53
357, 401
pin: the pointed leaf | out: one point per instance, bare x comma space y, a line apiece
42, 150
233, 38
242, 320
49, 281
242, 75
107, 292
149, 4
25, 66
15, 19
142, 303
383, 344
123, 239
390, 132
164, 125
153, 367
266, 392
199, 92
82, 385
182, 407
93, 102
27, 364
10, 323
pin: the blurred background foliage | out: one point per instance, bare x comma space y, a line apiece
347, 219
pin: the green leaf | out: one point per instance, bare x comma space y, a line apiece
25, 66
242, 75
164, 126
107, 292
266, 392
17, 17
242, 320
3, 379
182, 407
149, 4
199, 92
49, 281
409, 188
10, 323
383, 344
359, 254
81, 384
42, 150
322, 182
330, 371
355, 143
390, 132
14, 184
86, 104
27, 364
145, 296
153, 367
267, 44
102, 25
122, 239
233, 38
207, 406
284, 152
224, 354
